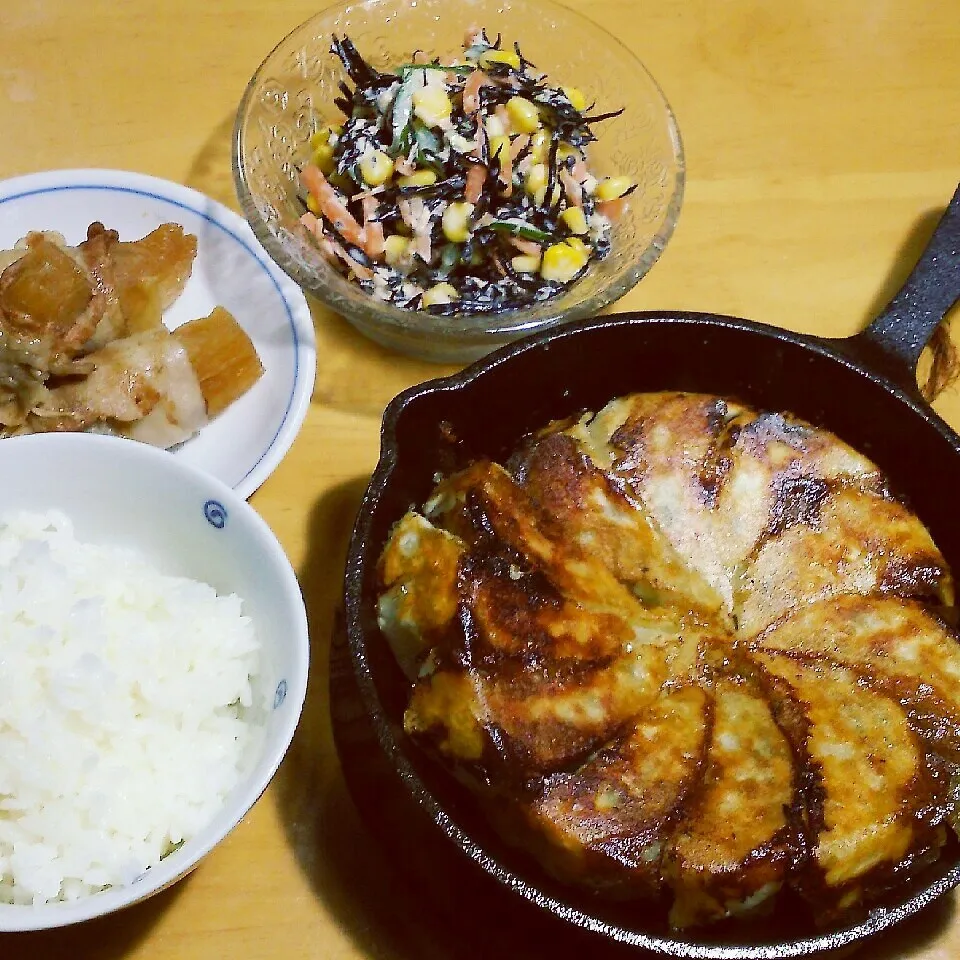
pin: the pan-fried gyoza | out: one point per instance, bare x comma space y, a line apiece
686, 649
83, 345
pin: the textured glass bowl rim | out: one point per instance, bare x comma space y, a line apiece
349, 300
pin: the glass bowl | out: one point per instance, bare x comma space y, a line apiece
291, 95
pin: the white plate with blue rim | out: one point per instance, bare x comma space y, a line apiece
243, 445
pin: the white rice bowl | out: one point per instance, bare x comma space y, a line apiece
153, 665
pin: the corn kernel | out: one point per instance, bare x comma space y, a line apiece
535, 183
325, 134
565, 151
577, 100
574, 219
562, 262
526, 263
456, 222
394, 248
419, 178
577, 244
610, 188
523, 115
323, 158
313, 205
375, 167
540, 146
494, 126
499, 144
440, 293
432, 105
499, 56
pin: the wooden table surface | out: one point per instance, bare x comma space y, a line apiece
822, 138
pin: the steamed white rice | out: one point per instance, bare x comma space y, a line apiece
126, 710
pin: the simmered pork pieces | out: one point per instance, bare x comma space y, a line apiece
689, 652
83, 345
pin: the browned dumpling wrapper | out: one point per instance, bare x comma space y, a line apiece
687, 652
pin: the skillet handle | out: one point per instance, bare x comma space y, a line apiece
903, 329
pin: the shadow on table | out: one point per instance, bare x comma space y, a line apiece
947, 338
106, 938
360, 889
211, 172
904, 260
356, 375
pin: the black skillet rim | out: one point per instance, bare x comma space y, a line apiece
846, 352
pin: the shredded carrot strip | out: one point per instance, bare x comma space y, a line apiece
580, 171
613, 210
471, 91
375, 240
372, 229
476, 177
358, 269
372, 192
518, 145
323, 241
529, 247
312, 224
571, 188
481, 140
332, 206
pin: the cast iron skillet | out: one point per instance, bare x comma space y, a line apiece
862, 388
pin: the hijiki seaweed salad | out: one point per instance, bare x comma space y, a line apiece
459, 187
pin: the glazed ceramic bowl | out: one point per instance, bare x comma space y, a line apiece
183, 522
291, 95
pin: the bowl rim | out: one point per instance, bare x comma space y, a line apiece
16, 918
388, 735
469, 328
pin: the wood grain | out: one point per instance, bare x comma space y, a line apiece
821, 140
